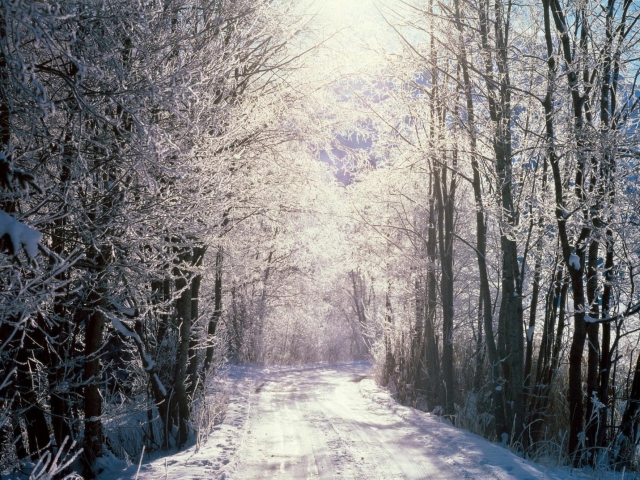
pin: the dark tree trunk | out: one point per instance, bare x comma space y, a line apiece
164, 296
56, 354
390, 361
161, 297
92, 375
94, 329
431, 358
574, 396
445, 203
479, 370
529, 375
547, 356
192, 371
217, 310
606, 353
181, 405
593, 348
156, 386
37, 427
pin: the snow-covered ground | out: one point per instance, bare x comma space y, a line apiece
333, 422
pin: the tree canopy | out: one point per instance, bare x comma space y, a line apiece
447, 189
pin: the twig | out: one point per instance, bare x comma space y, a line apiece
140, 463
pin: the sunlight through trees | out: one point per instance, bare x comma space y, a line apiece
447, 189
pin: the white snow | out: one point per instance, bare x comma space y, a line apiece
530, 331
589, 319
160, 385
149, 361
574, 261
130, 312
334, 422
121, 327
21, 235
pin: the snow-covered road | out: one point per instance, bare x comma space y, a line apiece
333, 422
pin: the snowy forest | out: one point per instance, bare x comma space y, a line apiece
449, 191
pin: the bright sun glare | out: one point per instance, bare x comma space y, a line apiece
357, 31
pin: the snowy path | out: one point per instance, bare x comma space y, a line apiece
333, 422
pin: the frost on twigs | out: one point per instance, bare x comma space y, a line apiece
21, 235
50, 466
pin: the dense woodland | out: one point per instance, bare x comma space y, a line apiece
186, 183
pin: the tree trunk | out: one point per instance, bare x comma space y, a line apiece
549, 351
94, 329
390, 361
415, 376
192, 371
432, 356
606, 353
217, 310
479, 370
36, 425
181, 405
445, 204
593, 348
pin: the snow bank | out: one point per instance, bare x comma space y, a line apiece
20, 234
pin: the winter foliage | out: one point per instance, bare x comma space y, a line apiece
186, 183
